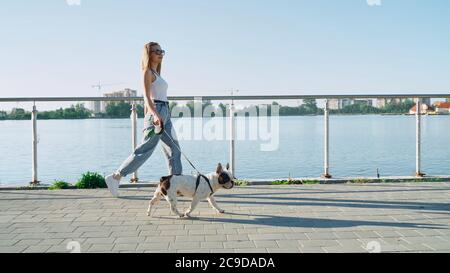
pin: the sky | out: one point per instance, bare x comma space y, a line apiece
52, 48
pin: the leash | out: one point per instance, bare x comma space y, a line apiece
160, 130
178, 148
199, 174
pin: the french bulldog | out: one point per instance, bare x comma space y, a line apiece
172, 186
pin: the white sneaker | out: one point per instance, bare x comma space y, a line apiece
113, 185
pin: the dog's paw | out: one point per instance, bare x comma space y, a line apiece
221, 211
187, 215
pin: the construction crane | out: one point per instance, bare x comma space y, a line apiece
100, 86
97, 106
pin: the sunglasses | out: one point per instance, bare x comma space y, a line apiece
159, 52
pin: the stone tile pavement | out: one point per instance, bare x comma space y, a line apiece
394, 217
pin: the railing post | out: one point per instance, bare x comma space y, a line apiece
133, 116
418, 135
326, 142
34, 180
232, 137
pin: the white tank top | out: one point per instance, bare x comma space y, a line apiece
159, 88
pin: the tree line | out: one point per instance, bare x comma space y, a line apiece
122, 110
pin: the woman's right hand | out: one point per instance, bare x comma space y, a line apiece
157, 120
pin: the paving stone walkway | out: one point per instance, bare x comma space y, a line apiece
394, 217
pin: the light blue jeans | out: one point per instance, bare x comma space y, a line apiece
149, 142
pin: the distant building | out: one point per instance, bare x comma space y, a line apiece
118, 94
337, 104
426, 100
345, 102
381, 102
94, 106
424, 109
442, 107
122, 93
98, 107
363, 101
333, 104
16, 111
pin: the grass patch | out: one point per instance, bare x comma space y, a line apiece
241, 183
294, 182
28, 188
59, 185
431, 179
91, 180
358, 181
363, 181
385, 180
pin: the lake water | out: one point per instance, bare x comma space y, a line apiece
358, 146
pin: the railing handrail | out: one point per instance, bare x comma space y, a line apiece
237, 97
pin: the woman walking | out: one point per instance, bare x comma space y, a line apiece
157, 115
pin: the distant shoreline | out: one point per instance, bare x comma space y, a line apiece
310, 115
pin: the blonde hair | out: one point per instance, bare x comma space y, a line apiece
145, 60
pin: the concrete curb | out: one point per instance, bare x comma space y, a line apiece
307, 180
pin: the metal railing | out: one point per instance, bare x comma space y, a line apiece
232, 98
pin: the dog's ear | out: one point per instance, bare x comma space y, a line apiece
219, 169
228, 166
